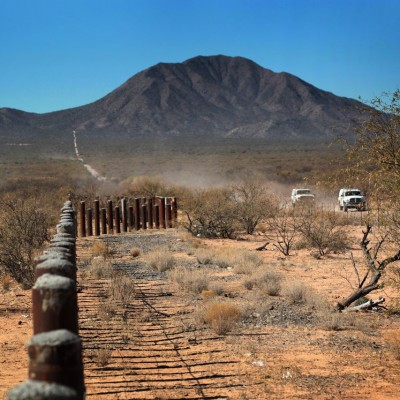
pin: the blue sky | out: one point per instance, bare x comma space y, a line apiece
57, 54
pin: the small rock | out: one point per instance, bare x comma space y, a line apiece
258, 363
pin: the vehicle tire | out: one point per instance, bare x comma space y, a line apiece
340, 207
345, 209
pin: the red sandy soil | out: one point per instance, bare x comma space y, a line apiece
156, 348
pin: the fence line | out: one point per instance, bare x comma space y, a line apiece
55, 350
127, 215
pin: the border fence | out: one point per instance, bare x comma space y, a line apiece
127, 214
55, 369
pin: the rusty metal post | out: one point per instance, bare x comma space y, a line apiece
110, 218
130, 218
82, 226
103, 214
156, 216
54, 304
162, 212
56, 357
174, 202
31, 389
143, 216
150, 218
124, 212
97, 218
168, 216
89, 222
117, 220
136, 211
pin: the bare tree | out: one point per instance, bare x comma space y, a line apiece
283, 228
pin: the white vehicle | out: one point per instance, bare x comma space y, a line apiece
302, 196
352, 198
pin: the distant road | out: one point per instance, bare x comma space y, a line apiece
90, 169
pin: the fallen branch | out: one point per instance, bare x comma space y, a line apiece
366, 306
261, 248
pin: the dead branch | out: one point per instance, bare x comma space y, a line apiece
261, 248
366, 306
375, 268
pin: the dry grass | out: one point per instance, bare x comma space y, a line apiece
100, 269
242, 261
5, 282
297, 293
189, 280
268, 282
160, 260
222, 317
134, 252
204, 256
121, 288
101, 249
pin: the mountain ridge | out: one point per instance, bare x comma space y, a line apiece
216, 96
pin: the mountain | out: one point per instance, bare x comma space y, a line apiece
216, 96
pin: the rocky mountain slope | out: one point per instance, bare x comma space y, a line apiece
214, 96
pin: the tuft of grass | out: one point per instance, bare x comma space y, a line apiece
189, 280
222, 317
101, 249
161, 260
268, 282
297, 293
121, 288
100, 269
134, 252
204, 256
243, 262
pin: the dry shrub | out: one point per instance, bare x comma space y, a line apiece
100, 269
134, 252
106, 310
297, 293
101, 249
5, 282
121, 288
208, 294
101, 356
204, 256
242, 261
222, 317
333, 321
267, 281
392, 339
189, 280
24, 226
247, 262
161, 260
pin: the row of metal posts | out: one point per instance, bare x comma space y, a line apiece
143, 213
55, 350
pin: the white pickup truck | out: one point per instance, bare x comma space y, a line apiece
302, 196
351, 198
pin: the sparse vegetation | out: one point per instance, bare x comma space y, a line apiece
222, 317
189, 280
23, 232
101, 249
160, 260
